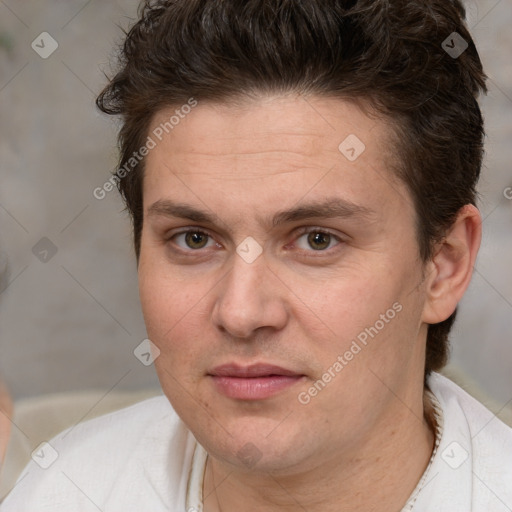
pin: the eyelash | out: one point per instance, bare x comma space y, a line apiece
302, 232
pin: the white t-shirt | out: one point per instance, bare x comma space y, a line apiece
144, 459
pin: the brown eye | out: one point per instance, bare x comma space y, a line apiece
192, 239
196, 239
317, 240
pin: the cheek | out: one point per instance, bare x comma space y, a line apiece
349, 302
363, 317
174, 314
172, 326
164, 300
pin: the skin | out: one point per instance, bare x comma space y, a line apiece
296, 306
5, 420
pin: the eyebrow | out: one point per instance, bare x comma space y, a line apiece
327, 209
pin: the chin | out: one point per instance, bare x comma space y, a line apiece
256, 445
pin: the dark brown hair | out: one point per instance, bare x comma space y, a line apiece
390, 54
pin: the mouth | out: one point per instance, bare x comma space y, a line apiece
254, 382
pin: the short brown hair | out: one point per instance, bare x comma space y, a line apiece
392, 54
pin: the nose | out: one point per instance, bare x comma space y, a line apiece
250, 297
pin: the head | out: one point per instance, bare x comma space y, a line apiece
242, 109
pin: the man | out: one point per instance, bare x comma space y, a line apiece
301, 178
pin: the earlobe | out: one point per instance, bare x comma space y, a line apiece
452, 265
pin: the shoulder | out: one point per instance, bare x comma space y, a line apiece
483, 425
119, 427
107, 459
474, 443
109, 436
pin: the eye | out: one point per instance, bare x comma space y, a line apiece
194, 239
320, 240
317, 239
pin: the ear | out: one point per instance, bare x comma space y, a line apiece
451, 267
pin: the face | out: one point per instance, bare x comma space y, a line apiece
280, 279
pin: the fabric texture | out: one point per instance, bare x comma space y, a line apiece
38, 419
143, 458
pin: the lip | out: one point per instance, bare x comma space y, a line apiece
251, 371
254, 382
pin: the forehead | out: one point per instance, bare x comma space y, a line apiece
289, 123
272, 147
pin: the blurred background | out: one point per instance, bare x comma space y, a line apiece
69, 312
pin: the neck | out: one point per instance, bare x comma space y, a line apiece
377, 475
